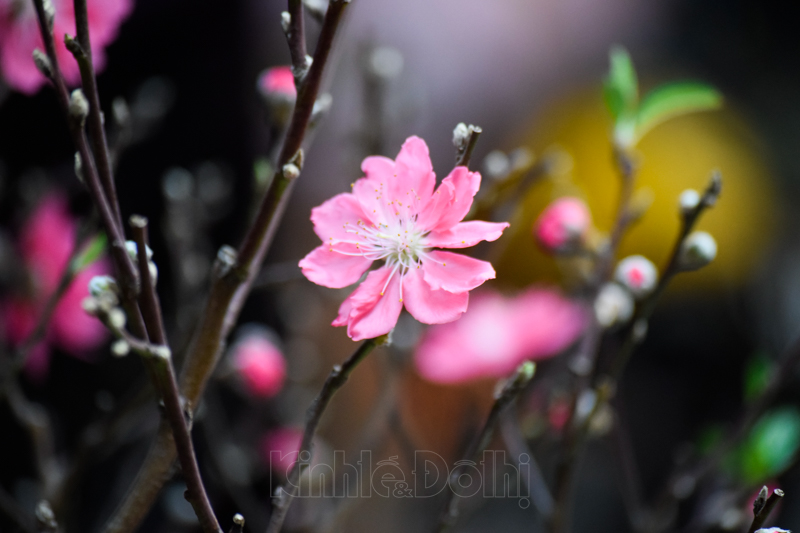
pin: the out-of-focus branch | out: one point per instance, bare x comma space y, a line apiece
507, 396
336, 379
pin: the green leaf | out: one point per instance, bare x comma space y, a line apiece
672, 100
771, 445
757, 373
621, 88
93, 250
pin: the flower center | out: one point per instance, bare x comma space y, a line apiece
400, 243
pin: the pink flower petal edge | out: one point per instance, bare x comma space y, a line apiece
499, 333
393, 214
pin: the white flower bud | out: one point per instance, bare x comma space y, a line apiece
163, 352
688, 201
49, 13
99, 285
116, 317
79, 167
697, 250
614, 305
78, 105
42, 63
290, 171
153, 272
90, 305
460, 136
120, 348
133, 248
637, 274
286, 21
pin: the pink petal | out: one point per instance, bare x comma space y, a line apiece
260, 365
459, 188
372, 311
455, 272
74, 330
431, 306
339, 218
414, 177
466, 234
37, 365
547, 323
327, 267
47, 240
372, 192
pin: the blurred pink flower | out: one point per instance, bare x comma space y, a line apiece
394, 214
278, 81
46, 243
563, 224
497, 334
280, 447
260, 365
19, 36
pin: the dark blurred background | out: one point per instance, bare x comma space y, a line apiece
529, 72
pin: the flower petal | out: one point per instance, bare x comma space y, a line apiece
455, 272
331, 266
338, 218
431, 306
452, 200
373, 310
414, 177
466, 234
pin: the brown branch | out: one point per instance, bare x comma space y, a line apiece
511, 391
296, 39
95, 118
760, 515
336, 379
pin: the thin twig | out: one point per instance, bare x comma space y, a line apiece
532, 477
95, 118
336, 379
761, 515
464, 153
508, 395
296, 38
151, 311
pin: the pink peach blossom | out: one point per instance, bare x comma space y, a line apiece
563, 224
280, 447
260, 365
19, 36
394, 214
46, 243
278, 81
497, 334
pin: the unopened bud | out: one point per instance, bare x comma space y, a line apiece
562, 227
133, 248
613, 305
116, 317
290, 171
286, 21
99, 285
153, 272
120, 348
461, 135
49, 13
238, 519
688, 201
321, 106
163, 352
90, 305
42, 63
79, 167
697, 250
78, 105
637, 274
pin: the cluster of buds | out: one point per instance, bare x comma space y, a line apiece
635, 278
103, 303
132, 249
563, 226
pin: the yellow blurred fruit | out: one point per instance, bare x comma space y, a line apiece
675, 156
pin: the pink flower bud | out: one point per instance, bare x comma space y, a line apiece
260, 366
278, 82
280, 447
638, 274
563, 225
